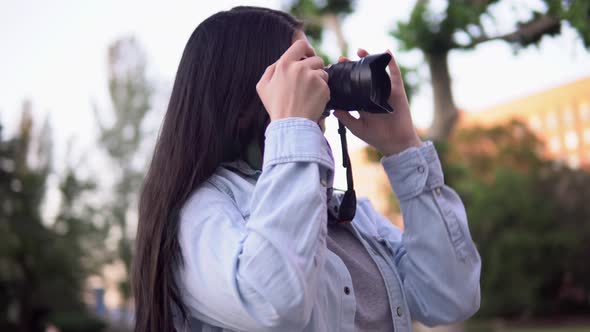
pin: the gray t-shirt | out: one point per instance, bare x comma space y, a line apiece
372, 304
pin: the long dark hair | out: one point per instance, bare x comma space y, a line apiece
214, 111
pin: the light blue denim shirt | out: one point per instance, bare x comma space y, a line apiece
254, 243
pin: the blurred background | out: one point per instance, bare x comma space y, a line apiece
502, 87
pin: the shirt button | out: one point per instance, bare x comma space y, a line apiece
399, 311
420, 169
437, 190
346, 290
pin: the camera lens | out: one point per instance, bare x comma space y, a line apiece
360, 85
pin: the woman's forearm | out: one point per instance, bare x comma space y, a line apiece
271, 268
437, 260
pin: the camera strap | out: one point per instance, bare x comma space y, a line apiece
347, 208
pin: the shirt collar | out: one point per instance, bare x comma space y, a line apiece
242, 167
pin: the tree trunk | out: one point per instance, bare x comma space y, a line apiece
445, 118
332, 21
445, 111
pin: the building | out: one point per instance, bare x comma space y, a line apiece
560, 116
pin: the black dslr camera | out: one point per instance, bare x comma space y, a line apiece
360, 85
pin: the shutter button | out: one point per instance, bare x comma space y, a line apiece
346, 290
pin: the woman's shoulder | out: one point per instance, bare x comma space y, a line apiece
208, 201
224, 195
205, 200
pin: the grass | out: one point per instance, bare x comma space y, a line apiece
487, 327
548, 329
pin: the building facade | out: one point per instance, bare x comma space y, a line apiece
560, 116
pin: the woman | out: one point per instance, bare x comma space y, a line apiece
233, 230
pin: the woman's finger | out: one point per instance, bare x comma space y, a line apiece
361, 52
267, 75
299, 49
393, 68
322, 74
314, 62
342, 59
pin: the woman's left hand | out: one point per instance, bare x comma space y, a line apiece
389, 133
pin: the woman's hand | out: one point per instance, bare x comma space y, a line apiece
292, 87
389, 133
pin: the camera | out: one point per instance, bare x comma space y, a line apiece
360, 85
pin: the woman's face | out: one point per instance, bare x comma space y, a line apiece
300, 35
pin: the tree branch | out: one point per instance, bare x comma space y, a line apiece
525, 34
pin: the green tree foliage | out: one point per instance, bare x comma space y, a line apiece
42, 270
319, 15
460, 25
529, 218
130, 94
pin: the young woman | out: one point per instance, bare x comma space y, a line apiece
234, 232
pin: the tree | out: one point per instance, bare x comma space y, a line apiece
460, 26
23, 234
42, 270
130, 94
529, 218
318, 15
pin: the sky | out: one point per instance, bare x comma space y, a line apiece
54, 53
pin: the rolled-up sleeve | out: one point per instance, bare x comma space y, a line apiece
436, 257
262, 274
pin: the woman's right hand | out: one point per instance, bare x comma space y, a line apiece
292, 87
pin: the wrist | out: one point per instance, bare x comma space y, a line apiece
288, 115
399, 146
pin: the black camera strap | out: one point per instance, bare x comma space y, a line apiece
347, 208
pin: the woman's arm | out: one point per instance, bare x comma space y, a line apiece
261, 275
436, 258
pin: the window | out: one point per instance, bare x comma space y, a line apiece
554, 145
571, 140
551, 120
568, 117
585, 111
535, 123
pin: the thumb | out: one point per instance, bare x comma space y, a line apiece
393, 67
349, 121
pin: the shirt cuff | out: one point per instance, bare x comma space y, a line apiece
296, 140
413, 171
